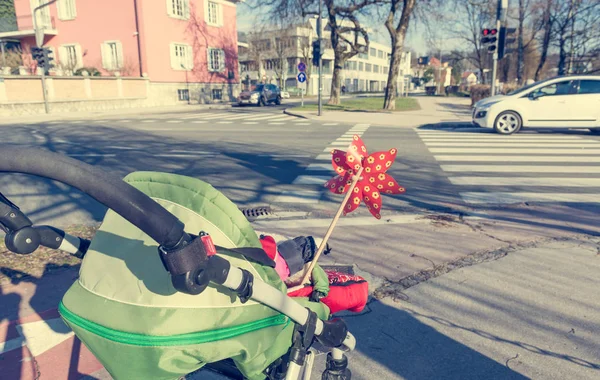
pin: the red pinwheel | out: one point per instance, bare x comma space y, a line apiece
372, 178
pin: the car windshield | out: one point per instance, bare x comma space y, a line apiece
258, 87
522, 89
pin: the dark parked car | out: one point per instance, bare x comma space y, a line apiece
261, 95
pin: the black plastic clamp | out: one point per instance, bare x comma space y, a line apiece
244, 291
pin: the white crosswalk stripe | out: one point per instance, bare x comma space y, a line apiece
491, 169
309, 186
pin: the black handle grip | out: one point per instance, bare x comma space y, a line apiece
106, 188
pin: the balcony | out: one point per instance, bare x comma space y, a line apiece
24, 27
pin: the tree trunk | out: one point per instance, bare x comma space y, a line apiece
521, 48
392, 83
562, 54
336, 79
548, 23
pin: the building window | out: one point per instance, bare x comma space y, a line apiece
216, 60
181, 57
217, 94
386, 69
43, 15
67, 10
376, 69
361, 66
179, 8
269, 65
213, 13
112, 55
291, 65
70, 56
373, 52
363, 56
183, 95
368, 67
380, 54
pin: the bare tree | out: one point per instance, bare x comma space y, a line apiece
547, 25
348, 36
284, 48
397, 33
530, 23
305, 48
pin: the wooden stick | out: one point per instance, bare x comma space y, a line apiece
331, 227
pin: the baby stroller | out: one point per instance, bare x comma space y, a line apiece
174, 279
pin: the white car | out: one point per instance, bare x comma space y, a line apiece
561, 102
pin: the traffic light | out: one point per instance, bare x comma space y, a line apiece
316, 49
490, 38
505, 39
43, 58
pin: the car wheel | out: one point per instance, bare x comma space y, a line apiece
507, 123
278, 101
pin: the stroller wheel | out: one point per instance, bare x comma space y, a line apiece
337, 369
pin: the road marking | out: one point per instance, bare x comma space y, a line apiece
200, 122
519, 169
515, 150
555, 144
149, 121
11, 345
341, 143
525, 181
236, 116
41, 336
320, 167
76, 122
250, 122
55, 122
286, 118
330, 123
519, 197
269, 225
174, 121
299, 196
197, 116
286, 155
123, 121
311, 180
225, 122
524, 159
90, 155
302, 123
191, 155
276, 123
502, 139
216, 116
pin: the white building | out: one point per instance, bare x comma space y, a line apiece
274, 57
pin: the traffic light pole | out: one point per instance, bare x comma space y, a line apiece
39, 41
319, 36
500, 18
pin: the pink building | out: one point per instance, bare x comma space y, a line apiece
173, 42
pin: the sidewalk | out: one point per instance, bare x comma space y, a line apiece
433, 110
109, 113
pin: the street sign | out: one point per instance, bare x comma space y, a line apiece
302, 67
301, 77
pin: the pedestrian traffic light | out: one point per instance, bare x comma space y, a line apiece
316, 48
505, 39
489, 32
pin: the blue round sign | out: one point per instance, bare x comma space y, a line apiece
301, 77
302, 66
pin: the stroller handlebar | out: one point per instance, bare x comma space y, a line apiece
106, 188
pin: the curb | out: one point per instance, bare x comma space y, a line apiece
290, 113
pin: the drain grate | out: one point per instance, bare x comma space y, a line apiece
255, 212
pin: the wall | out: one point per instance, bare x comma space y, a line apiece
95, 23
160, 30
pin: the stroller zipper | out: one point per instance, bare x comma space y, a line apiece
173, 340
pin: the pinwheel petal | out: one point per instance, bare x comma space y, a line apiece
385, 184
354, 200
338, 161
380, 162
372, 199
356, 152
339, 184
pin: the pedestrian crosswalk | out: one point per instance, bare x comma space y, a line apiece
309, 186
489, 168
230, 117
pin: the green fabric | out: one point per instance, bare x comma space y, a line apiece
123, 287
320, 280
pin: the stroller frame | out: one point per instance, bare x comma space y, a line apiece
185, 256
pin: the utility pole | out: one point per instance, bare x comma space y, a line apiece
39, 41
500, 16
319, 37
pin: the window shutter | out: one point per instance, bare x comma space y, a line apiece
63, 57
220, 14
206, 19
173, 57
120, 54
79, 56
61, 6
74, 8
189, 57
105, 56
221, 60
170, 8
186, 9
208, 64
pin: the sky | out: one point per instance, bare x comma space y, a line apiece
415, 37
